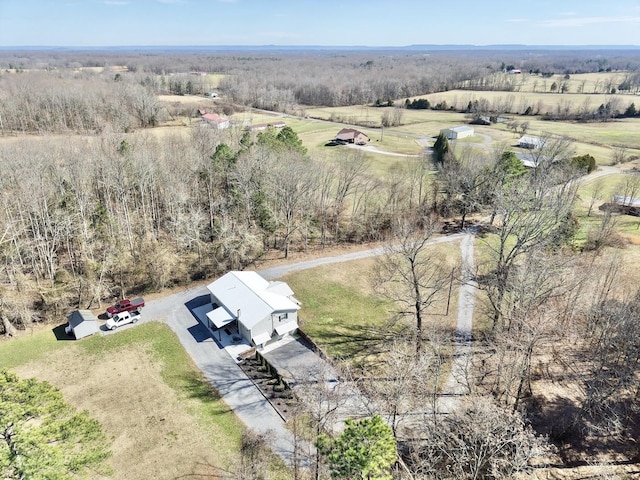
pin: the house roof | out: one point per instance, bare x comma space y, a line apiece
79, 316
460, 129
626, 201
349, 134
214, 118
529, 140
220, 317
253, 296
83, 323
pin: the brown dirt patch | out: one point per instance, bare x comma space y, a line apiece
143, 417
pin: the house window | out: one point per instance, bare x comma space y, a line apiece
282, 317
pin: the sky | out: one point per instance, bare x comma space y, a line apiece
91, 23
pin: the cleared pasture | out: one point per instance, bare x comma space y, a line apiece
601, 82
540, 103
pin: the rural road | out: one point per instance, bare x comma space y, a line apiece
457, 383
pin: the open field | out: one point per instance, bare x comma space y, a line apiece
540, 103
579, 82
596, 138
163, 419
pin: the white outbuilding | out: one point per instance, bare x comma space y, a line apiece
82, 323
455, 133
531, 143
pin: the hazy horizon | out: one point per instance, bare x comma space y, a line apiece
330, 23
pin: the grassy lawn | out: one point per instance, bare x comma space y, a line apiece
342, 313
602, 189
163, 418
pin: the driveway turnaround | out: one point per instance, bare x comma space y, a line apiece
220, 370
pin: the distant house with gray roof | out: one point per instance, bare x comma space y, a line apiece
455, 133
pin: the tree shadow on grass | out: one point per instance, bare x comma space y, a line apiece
360, 341
199, 389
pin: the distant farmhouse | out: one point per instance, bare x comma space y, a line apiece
351, 135
455, 133
214, 120
530, 142
258, 310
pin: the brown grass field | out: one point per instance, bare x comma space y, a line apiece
161, 419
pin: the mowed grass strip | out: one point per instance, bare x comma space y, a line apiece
164, 419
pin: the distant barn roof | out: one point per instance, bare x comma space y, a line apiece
349, 134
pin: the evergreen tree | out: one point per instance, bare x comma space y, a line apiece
288, 138
441, 149
631, 111
42, 437
366, 449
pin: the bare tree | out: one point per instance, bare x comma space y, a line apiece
532, 213
628, 189
410, 276
596, 191
404, 386
618, 155
463, 179
478, 440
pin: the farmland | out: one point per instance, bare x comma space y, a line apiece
114, 186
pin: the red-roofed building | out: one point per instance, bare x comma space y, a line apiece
351, 135
215, 120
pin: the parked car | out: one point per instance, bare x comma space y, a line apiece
125, 305
123, 318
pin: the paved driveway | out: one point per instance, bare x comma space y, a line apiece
317, 383
219, 368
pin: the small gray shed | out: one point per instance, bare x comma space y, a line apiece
82, 323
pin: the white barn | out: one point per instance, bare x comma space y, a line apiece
264, 311
530, 142
455, 133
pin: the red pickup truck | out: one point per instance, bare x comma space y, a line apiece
125, 305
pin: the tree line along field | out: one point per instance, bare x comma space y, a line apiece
111, 186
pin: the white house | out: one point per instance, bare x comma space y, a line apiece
262, 310
455, 133
530, 142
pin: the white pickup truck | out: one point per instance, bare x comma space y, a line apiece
123, 318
